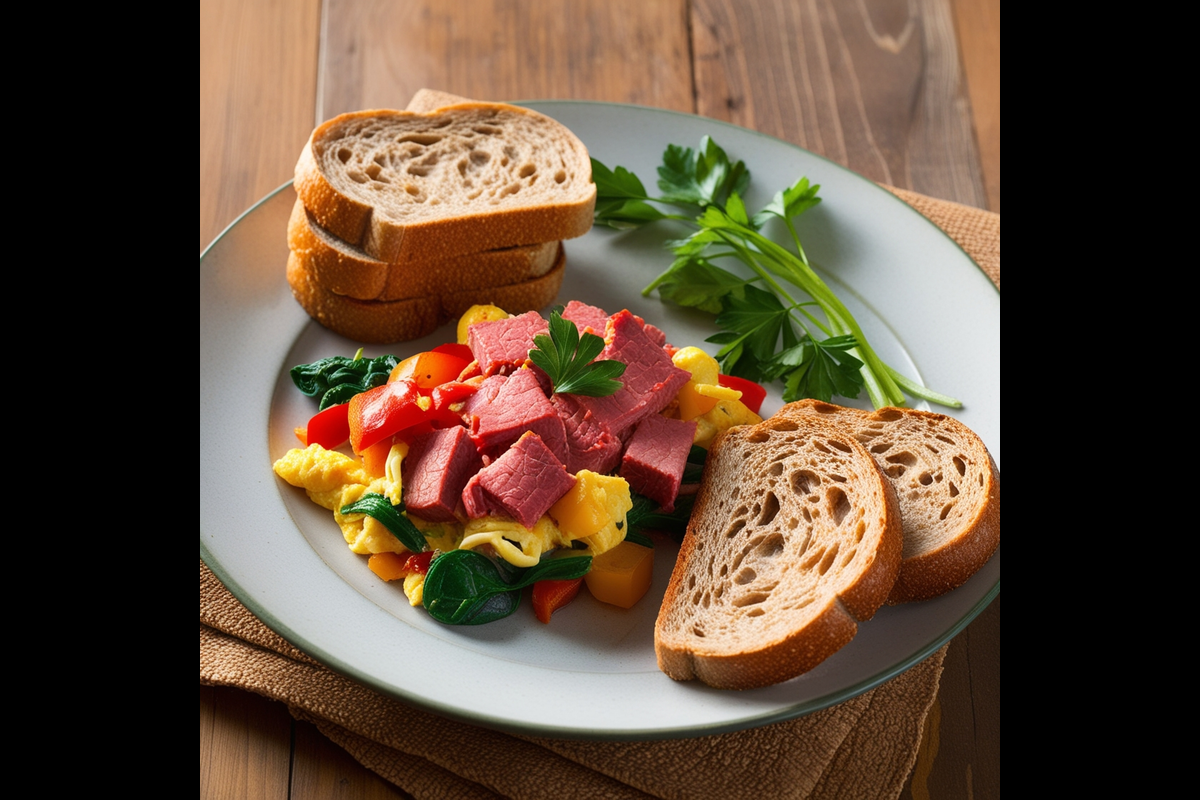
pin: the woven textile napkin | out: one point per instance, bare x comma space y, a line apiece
864, 747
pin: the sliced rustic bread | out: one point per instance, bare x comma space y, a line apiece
406, 186
347, 270
426, 100
794, 538
383, 322
947, 484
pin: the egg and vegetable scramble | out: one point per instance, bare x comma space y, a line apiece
586, 530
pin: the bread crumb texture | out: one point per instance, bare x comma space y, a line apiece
947, 485
794, 539
468, 178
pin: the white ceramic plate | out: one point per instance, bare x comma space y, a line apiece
930, 311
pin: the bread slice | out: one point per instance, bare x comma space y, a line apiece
406, 186
383, 322
794, 539
426, 100
947, 484
347, 270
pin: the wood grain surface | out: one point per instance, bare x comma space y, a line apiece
906, 92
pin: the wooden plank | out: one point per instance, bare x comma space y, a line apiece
324, 770
245, 746
251, 129
377, 55
978, 25
874, 85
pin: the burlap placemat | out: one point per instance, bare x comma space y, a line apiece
864, 747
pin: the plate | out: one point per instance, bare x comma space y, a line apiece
591, 673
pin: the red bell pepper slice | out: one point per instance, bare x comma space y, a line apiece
330, 428
429, 369
752, 393
382, 412
550, 596
456, 349
419, 562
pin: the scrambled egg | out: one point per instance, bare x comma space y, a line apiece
512, 541
715, 408
333, 480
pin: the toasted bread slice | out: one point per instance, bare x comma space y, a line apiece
346, 270
794, 539
947, 484
382, 322
406, 186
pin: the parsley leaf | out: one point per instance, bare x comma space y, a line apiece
700, 177
753, 324
821, 369
695, 282
567, 359
766, 333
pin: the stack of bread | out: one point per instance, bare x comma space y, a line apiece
405, 219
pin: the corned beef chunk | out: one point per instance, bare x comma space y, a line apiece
523, 483
650, 382
518, 405
585, 317
484, 395
503, 345
656, 456
595, 320
436, 471
656, 335
590, 444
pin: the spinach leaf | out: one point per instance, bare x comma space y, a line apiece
336, 379
379, 507
463, 587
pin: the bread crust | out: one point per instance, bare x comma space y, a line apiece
347, 270
385, 322
363, 211
944, 543
757, 595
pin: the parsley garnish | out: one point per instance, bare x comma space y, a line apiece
567, 358
813, 344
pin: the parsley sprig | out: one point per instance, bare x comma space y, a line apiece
567, 358
809, 340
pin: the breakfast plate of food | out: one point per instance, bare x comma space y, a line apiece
592, 671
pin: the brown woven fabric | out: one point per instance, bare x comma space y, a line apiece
864, 747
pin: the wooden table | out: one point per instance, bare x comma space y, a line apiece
906, 92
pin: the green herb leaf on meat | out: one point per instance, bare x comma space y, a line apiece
379, 507
463, 587
336, 379
567, 358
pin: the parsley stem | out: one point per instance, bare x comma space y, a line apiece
917, 390
805, 278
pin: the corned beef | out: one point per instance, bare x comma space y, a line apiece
590, 444
437, 468
650, 382
656, 456
586, 318
595, 320
503, 345
523, 483
518, 405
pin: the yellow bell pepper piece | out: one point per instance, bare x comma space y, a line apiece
478, 313
622, 575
